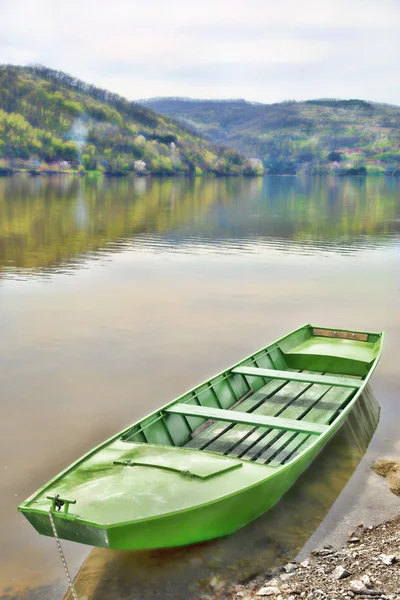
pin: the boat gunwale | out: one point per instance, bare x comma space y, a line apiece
274, 471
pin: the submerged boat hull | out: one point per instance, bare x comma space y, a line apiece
137, 491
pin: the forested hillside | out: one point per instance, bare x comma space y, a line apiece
316, 136
50, 121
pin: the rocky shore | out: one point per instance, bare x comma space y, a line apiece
367, 565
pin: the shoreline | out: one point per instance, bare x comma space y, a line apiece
366, 565
12, 172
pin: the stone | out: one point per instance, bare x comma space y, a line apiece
286, 576
273, 582
216, 584
268, 590
290, 567
340, 573
358, 587
366, 581
323, 552
387, 559
390, 469
305, 564
353, 540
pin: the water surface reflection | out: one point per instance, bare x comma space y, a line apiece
118, 295
55, 224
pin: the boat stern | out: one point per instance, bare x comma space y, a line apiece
338, 351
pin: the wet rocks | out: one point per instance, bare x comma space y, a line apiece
290, 567
305, 564
268, 590
366, 570
323, 552
217, 584
390, 469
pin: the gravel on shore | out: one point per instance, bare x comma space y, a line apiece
366, 566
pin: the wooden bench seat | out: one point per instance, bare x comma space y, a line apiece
303, 377
246, 418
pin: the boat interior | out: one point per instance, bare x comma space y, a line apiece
269, 407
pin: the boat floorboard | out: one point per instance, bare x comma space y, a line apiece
250, 404
297, 409
292, 445
315, 403
243, 435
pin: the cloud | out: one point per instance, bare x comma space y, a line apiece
259, 49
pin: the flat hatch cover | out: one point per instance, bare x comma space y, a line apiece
194, 463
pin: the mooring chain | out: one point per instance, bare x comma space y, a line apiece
64, 562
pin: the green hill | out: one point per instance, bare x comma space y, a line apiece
314, 137
51, 122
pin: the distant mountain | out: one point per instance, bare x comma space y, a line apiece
50, 121
315, 136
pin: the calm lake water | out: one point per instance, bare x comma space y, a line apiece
118, 295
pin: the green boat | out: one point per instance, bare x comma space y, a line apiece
217, 457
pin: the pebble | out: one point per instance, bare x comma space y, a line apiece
340, 573
358, 587
387, 559
366, 581
323, 552
216, 584
272, 583
368, 566
305, 564
268, 590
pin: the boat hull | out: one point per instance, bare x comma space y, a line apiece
198, 524
218, 457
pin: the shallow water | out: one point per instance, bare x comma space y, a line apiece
117, 295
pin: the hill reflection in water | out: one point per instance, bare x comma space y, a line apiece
56, 224
271, 540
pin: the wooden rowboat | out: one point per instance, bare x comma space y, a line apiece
217, 457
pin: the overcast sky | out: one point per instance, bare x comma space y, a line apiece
263, 50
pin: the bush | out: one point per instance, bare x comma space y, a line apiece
361, 170
334, 156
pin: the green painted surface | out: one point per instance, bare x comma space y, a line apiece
353, 349
291, 444
175, 479
307, 378
246, 418
181, 461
